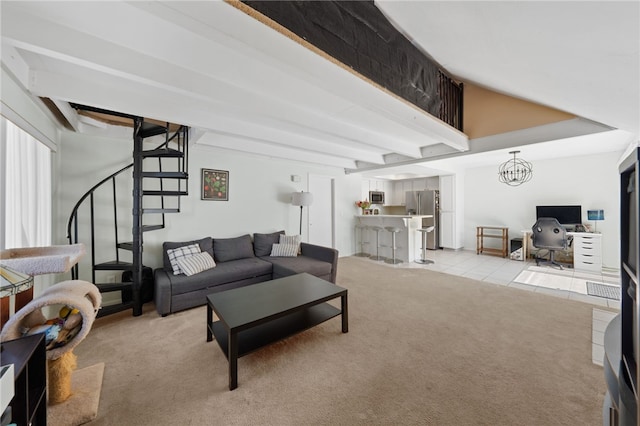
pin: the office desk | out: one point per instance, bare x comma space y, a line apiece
585, 252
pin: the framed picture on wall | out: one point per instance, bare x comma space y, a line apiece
215, 185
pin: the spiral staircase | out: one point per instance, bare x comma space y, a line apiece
160, 179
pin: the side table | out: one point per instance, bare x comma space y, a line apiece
494, 232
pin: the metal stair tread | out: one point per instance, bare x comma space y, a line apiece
109, 287
159, 210
165, 193
166, 175
128, 245
112, 309
163, 152
114, 265
151, 129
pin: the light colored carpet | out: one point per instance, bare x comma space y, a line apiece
423, 348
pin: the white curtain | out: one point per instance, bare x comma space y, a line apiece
26, 189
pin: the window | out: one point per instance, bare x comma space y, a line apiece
25, 189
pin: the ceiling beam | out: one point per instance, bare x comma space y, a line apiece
236, 143
545, 133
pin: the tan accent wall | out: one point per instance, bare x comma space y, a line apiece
489, 113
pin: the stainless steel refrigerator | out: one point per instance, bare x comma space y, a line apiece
426, 203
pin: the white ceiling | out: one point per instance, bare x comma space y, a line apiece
249, 88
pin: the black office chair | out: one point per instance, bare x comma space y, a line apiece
550, 235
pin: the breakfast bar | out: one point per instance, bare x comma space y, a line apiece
408, 241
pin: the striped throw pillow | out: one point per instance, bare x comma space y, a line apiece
284, 250
177, 253
196, 263
292, 239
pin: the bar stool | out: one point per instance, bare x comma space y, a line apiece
362, 229
394, 230
424, 232
377, 229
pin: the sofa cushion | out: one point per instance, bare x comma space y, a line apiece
206, 245
227, 249
262, 243
223, 273
191, 265
283, 266
178, 253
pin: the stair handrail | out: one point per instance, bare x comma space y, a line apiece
74, 211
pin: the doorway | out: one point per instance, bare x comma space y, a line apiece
321, 213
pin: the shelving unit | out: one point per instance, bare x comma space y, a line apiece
494, 232
28, 356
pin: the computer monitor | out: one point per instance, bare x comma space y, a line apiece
566, 215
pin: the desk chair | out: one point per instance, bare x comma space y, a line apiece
550, 235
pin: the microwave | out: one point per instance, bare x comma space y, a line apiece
376, 197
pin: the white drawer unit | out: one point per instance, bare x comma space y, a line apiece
587, 252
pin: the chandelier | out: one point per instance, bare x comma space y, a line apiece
515, 172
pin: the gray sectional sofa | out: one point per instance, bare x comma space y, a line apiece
239, 262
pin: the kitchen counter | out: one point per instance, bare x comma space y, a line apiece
408, 241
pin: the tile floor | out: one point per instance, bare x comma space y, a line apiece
525, 275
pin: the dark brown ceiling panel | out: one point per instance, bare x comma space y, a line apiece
358, 35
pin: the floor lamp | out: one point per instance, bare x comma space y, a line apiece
301, 199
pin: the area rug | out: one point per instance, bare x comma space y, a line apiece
423, 348
603, 290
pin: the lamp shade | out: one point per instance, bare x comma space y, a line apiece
13, 282
301, 198
595, 214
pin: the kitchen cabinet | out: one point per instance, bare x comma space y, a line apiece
419, 184
399, 189
377, 185
451, 212
447, 229
447, 193
397, 194
433, 183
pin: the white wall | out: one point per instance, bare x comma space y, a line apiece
590, 181
259, 193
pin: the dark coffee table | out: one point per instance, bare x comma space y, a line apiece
254, 316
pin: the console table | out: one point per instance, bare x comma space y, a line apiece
28, 356
494, 232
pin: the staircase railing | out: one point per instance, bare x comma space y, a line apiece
161, 151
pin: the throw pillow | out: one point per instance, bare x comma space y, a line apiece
262, 243
284, 250
291, 239
206, 244
177, 253
196, 263
226, 249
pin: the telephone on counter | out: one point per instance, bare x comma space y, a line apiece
581, 228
